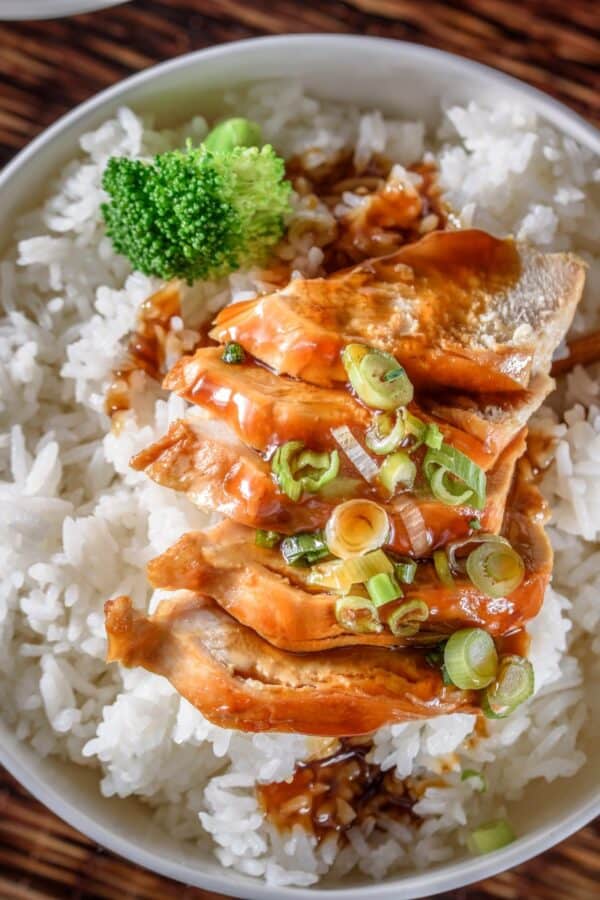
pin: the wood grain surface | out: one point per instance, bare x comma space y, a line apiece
48, 67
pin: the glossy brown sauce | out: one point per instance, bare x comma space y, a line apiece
393, 214
150, 346
329, 796
541, 446
517, 643
146, 348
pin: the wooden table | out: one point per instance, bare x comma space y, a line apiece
46, 68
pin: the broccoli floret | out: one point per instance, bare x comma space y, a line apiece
195, 213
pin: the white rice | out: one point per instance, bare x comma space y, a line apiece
77, 525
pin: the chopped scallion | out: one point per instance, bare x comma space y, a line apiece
397, 469
447, 489
466, 774
233, 353
405, 620
268, 539
454, 478
300, 549
471, 659
385, 433
496, 569
298, 470
406, 570
491, 836
357, 527
433, 436
442, 568
378, 379
515, 682
383, 588
340, 575
357, 455
358, 615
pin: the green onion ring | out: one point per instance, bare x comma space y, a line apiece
491, 836
397, 469
471, 659
385, 434
369, 372
442, 568
297, 470
496, 569
461, 467
404, 621
357, 615
515, 683
383, 588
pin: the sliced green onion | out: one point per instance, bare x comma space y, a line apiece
475, 524
268, 539
319, 469
394, 374
385, 433
446, 676
233, 353
473, 773
416, 527
491, 836
383, 588
442, 568
378, 379
397, 469
298, 470
448, 490
515, 683
340, 575
468, 474
358, 615
404, 621
433, 436
435, 657
357, 455
341, 487
232, 133
406, 570
281, 466
414, 426
496, 569
458, 565
471, 659
356, 527
304, 548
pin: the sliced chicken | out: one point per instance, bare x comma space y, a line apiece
206, 461
237, 680
458, 309
262, 408
258, 588
494, 419
265, 409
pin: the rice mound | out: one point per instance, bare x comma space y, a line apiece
77, 525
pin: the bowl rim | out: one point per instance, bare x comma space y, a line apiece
16, 10
449, 876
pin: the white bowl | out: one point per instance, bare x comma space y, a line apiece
50, 9
400, 78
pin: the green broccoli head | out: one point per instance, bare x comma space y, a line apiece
196, 214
